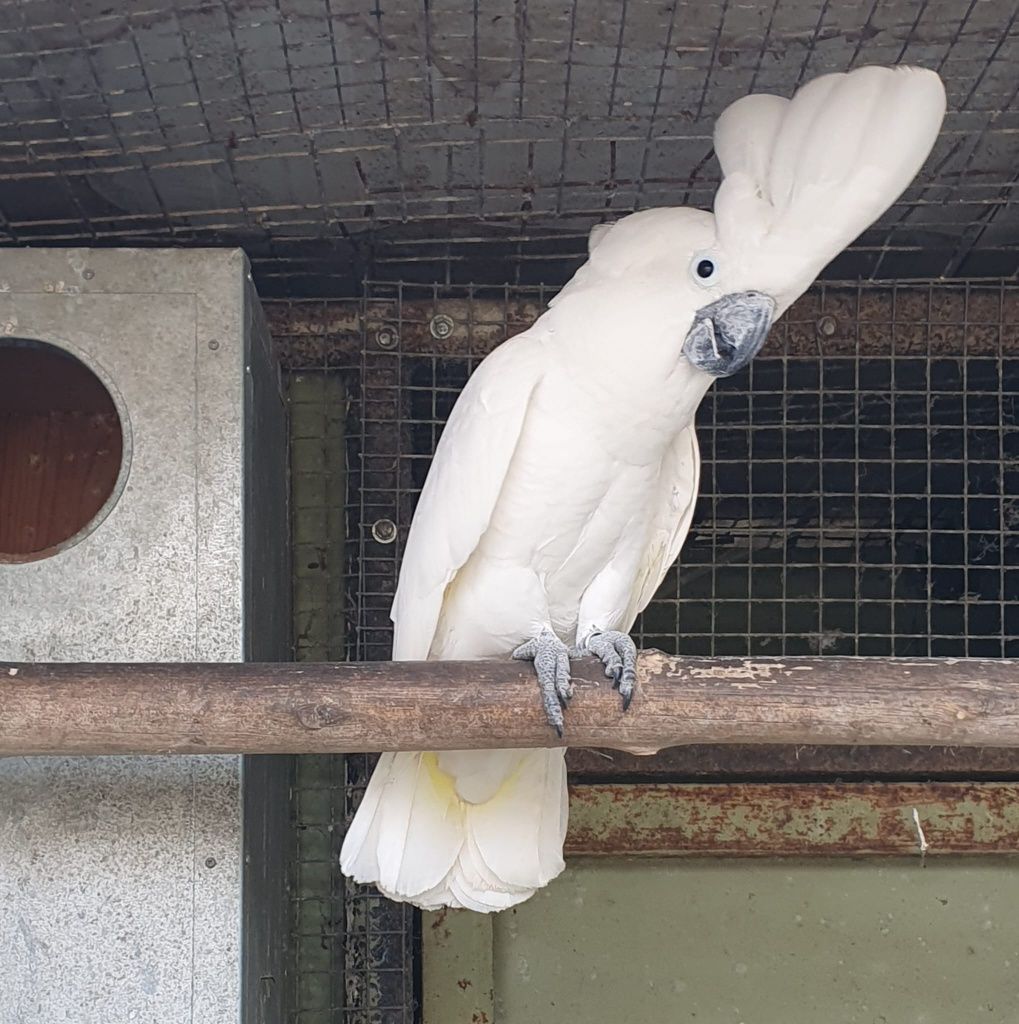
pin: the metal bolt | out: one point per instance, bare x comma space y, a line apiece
384, 531
210, 862
213, 344
441, 326
387, 337
827, 326
88, 274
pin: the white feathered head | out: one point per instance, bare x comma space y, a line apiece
802, 178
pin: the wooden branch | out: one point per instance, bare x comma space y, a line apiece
370, 706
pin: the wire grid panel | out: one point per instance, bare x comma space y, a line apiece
354, 951
398, 138
859, 496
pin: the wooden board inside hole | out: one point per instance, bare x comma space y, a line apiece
61, 447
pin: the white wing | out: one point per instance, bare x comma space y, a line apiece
680, 477
463, 484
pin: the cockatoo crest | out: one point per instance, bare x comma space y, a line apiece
804, 177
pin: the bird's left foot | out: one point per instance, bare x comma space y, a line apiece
618, 654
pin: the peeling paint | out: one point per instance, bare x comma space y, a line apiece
746, 670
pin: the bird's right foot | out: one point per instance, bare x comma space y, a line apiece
551, 659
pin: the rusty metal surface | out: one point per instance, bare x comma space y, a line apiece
702, 762
833, 320
817, 819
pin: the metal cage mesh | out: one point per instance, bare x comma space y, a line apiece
438, 140
859, 496
354, 959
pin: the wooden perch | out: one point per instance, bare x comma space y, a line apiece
370, 706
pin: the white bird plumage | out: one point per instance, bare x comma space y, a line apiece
565, 480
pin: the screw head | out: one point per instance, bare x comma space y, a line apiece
210, 862
827, 326
213, 345
441, 326
387, 336
88, 273
384, 531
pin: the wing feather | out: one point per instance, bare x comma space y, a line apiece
680, 478
460, 493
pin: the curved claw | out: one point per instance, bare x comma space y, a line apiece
627, 697
619, 655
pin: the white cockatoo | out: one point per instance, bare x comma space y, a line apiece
565, 480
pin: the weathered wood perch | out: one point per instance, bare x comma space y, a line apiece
369, 706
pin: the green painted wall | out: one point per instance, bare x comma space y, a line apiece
318, 410
742, 942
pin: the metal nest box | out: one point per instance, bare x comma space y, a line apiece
138, 525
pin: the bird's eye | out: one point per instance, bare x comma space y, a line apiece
705, 270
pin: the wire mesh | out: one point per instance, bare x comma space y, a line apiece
859, 499
860, 494
354, 951
334, 139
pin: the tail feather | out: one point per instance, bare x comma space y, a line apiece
419, 841
419, 827
535, 795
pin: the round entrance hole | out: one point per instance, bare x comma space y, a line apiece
61, 450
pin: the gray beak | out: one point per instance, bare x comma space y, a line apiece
726, 335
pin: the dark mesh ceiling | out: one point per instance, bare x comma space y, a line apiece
433, 140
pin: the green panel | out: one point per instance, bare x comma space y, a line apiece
456, 967
761, 942
318, 411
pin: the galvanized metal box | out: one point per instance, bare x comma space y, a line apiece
121, 879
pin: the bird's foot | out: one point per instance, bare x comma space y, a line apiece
618, 654
551, 659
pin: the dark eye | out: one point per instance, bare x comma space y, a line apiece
704, 269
